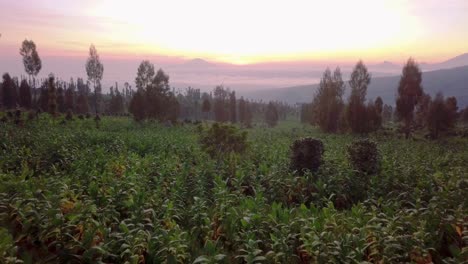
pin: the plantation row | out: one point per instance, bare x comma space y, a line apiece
147, 193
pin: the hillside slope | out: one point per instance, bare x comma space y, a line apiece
451, 82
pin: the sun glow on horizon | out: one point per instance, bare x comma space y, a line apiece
244, 32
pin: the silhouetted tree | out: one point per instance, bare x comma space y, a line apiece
409, 92
220, 104
328, 102
154, 99
372, 119
437, 116
242, 110
95, 70
145, 75
137, 106
452, 111
232, 107
51, 95
379, 109
43, 103
61, 100
271, 115
9, 95
70, 97
356, 113
31, 60
82, 99
422, 111
159, 98
25, 99
206, 106
82, 104
248, 114
116, 104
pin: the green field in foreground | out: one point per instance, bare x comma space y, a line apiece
146, 193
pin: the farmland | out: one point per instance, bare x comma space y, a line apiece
147, 193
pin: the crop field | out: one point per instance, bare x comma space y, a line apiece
148, 193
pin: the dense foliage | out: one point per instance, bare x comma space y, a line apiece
148, 193
222, 139
306, 154
364, 156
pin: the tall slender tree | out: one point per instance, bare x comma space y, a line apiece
61, 99
221, 96
145, 75
52, 95
95, 71
442, 115
271, 115
31, 60
70, 96
328, 101
206, 105
242, 110
9, 96
232, 107
356, 113
410, 91
25, 99
378, 104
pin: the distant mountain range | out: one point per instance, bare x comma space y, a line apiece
390, 67
451, 82
458, 61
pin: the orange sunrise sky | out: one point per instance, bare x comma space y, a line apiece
240, 32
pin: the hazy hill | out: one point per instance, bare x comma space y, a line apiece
451, 82
458, 61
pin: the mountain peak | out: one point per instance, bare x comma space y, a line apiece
198, 62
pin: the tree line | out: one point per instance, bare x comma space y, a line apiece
414, 108
153, 98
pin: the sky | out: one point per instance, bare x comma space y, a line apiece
240, 32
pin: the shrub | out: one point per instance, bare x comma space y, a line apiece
223, 139
306, 154
364, 156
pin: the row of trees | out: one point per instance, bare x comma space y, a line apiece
222, 105
25, 94
152, 100
414, 108
74, 96
329, 111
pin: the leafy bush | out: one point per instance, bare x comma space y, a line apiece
222, 139
307, 154
364, 156
145, 193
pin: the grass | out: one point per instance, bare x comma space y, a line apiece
146, 193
